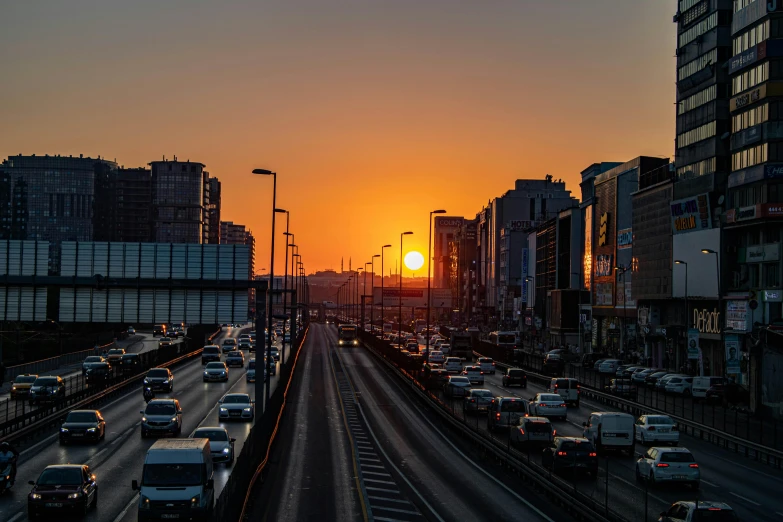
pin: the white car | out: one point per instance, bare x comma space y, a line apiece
237, 406
679, 385
453, 365
487, 365
656, 428
456, 386
548, 405
609, 366
474, 374
131, 330
659, 465
216, 371
221, 446
445, 348
437, 357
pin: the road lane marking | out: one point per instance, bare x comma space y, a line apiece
709, 483
746, 499
97, 454
16, 517
387, 499
126, 508
659, 499
743, 466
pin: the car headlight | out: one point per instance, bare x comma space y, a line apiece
144, 419
247, 409
166, 381
174, 418
145, 503
91, 429
226, 450
195, 501
356, 342
63, 430
13, 388
35, 496
222, 373
223, 410
206, 373
75, 495
146, 381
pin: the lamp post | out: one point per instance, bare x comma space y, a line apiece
356, 284
285, 277
399, 302
294, 259
372, 292
429, 278
382, 308
622, 331
264, 172
364, 292
721, 321
701, 364
529, 279
579, 276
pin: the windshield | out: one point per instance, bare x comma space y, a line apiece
660, 420
538, 427
158, 373
46, 381
165, 339
80, 416
216, 435
506, 339
482, 393
236, 399
93, 358
251, 365
581, 446
215, 366
515, 373
460, 380
116, 352
157, 475
127, 358
26, 379
160, 409
512, 406
549, 397
678, 456
211, 349
60, 477
230, 341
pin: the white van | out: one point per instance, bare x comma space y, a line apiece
702, 384
567, 388
177, 481
611, 431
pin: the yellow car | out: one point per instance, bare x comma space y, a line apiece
20, 388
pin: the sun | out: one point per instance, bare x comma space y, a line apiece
414, 260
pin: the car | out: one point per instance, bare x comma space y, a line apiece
669, 465
47, 388
453, 365
652, 379
622, 387
436, 379
235, 358
598, 363
236, 406
609, 366
680, 385
609, 430
275, 354
244, 342
131, 330
161, 416
505, 412
589, 359
210, 353
571, 453
250, 374
271, 366
229, 344
221, 446
437, 357
486, 364
114, 355
62, 488
701, 385
641, 377
215, 371
20, 387
622, 369
477, 400
160, 379
456, 386
99, 373
656, 428
445, 348
532, 430
554, 364
548, 405
165, 341
83, 425
515, 377
700, 510
474, 374
89, 361
663, 381
158, 329
412, 346
130, 363
567, 388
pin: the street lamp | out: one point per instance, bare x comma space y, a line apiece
429, 277
622, 332
720, 296
680, 262
399, 318
528, 279
364, 292
382, 308
356, 284
285, 277
372, 291
264, 172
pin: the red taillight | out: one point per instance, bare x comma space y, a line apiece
693, 465
554, 433
651, 428
661, 465
497, 415
555, 386
481, 373
593, 454
563, 405
472, 400
522, 431
561, 453
493, 364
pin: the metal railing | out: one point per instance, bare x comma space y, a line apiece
53, 363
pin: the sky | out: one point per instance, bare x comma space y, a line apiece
372, 112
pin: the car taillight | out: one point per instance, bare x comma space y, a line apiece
481, 373
693, 465
497, 415
661, 465
563, 405
592, 454
561, 453
651, 428
521, 431
555, 386
472, 400
554, 433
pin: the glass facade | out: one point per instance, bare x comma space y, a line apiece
178, 198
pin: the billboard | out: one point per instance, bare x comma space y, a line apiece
690, 214
413, 297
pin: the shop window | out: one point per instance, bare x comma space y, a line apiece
753, 276
771, 274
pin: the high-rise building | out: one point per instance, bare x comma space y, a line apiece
212, 210
235, 234
13, 206
178, 201
134, 206
443, 231
55, 196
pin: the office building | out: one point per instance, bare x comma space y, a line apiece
443, 232
178, 201
212, 210
134, 206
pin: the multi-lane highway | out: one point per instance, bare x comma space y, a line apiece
119, 458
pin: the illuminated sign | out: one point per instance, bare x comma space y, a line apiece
448, 222
706, 321
624, 238
603, 265
745, 213
690, 214
603, 229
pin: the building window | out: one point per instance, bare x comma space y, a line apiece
697, 65
687, 4
750, 78
753, 275
749, 38
749, 157
697, 100
771, 275
698, 134
700, 168
739, 5
750, 118
699, 29
694, 14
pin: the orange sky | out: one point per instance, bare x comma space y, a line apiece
372, 111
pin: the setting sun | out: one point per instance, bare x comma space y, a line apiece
414, 260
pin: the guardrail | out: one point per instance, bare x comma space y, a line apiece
22, 426
750, 449
52, 363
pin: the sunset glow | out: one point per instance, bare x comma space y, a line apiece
414, 260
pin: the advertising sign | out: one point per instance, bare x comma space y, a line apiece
519, 224
737, 315
624, 238
690, 214
732, 353
693, 343
762, 253
603, 294
413, 297
603, 265
745, 213
603, 229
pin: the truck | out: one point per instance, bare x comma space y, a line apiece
461, 345
177, 481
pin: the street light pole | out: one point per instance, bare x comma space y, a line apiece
429, 278
372, 292
527, 280
382, 308
285, 277
622, 331
701, 363
399, 302
265, 172
364, 292
722, 322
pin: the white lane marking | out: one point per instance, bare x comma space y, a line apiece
779, 513
709, 483
380, 481
395, 510
91, 459
746, 499
659, 499
386, 499
127, 507
16, 517
385, 490
733, 463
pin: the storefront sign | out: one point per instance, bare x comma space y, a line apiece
749, 97
771, 210
624, 238
762, 253
746, 137
518, 224
447, 222
772, 296
603, 265
745, 213
732, 353
706, 321
690, 214
745, 176
693, 343
603, 230
737, 315
743, 60
603, 294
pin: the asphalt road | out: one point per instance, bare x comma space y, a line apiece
750, 488
120, 457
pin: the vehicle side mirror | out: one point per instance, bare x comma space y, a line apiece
31, 482
211, 483
141, 411
584, 424
135, 485
220, 401
233, 440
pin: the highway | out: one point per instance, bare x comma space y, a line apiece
119, 458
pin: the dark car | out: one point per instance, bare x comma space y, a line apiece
130, 363
160, 379
81, 425
436, 379
589, 359
622, 387
210, 353
515, 377
554, 364
572, 453
47, 388
99, 373
62, 488
652, 379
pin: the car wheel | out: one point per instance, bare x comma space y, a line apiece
641, 436
638, 474
95, 500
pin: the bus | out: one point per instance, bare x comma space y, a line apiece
348, 335
504, 339
421, 324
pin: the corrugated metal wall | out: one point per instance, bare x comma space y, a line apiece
23, 258
154, 261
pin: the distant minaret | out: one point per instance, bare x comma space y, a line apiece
342, 259
349, 264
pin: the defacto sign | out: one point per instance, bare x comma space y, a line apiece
690, 214
624, 238
706, 321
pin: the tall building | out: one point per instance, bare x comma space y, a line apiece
443, 231
134, 206
212, 210
55, 198
178, 201
13, 206
235, 234
463, 254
